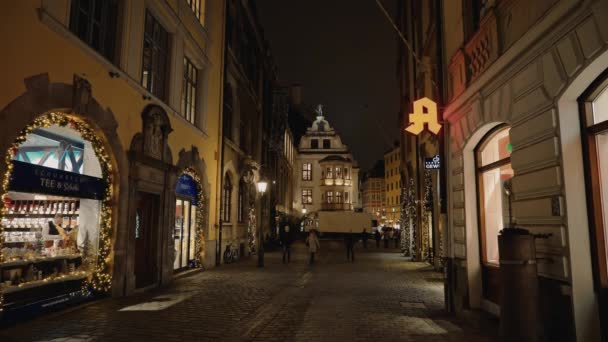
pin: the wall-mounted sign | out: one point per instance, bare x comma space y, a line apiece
433, 163
425, 112
33, 178
186, 187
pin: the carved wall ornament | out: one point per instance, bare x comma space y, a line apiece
81, 95
156, 129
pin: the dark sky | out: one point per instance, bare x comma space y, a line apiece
343, 52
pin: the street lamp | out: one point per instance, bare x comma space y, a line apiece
261, 185
303, 211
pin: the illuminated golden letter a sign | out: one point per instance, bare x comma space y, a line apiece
420, 116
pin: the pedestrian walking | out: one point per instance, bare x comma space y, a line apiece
312, 241
349, 240
386, 237
286, 244
364, 237
377, 236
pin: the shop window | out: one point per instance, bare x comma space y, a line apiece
314, 144
595, 143
95, 23
326, 143
493, 169
51, 217
155, 60
307, 171
226, 199
306, 196
189, 91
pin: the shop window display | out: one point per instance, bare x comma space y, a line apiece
185, 231
52, 214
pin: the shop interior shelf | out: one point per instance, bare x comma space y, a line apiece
20, 229
17, 263
38, 283
32, 215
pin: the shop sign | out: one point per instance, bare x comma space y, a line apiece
433, 163
186, 187
33, 178
425, 113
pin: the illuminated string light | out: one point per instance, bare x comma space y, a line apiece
101, 278
199, 240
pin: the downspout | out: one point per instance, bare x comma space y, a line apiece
220, 143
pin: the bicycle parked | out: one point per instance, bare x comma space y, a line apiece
231, 254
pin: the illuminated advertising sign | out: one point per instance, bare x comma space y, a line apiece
425, 112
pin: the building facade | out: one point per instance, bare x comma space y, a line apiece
329, 177
392, 188
523, 105
373, 192
119, 125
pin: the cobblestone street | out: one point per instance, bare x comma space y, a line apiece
379, 297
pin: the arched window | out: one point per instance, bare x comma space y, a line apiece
226, 198
493, 159
595, 146
241, 202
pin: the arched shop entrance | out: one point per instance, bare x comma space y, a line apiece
189, 221
56, 215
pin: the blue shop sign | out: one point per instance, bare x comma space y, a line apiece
33, 178
433, 163
186, 186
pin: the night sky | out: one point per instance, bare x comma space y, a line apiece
343, 53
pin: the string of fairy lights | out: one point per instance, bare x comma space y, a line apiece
199, 240
101, 278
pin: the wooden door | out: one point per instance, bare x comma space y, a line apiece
146, 239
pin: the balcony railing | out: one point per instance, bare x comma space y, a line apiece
336, 206
337, 181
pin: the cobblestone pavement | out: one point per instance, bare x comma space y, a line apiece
380, 297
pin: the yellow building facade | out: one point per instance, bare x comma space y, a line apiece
392, 184
128, 96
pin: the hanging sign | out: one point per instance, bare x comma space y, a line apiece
186, 187
433, 163
425, 113
33, 178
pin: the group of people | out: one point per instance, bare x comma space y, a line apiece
350, 239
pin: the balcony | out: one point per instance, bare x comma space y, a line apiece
336, 206
336, 181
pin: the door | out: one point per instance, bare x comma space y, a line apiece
146, 239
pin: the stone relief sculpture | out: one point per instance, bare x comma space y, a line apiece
155, 131
81, 95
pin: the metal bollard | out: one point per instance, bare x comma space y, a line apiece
520, 318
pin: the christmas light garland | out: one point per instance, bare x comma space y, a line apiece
199, 240
101, 279
425, 249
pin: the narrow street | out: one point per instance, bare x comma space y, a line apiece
379, 297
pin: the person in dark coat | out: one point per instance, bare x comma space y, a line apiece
377, 236
397, 236
364, 237
349, 240
286, 244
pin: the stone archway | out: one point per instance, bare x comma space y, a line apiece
41, 97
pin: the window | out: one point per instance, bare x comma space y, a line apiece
338, 197
595, 146
307, 171
314, 144
227, 115
94, 22
329, 196
329, 173
197, 7
240, 215
338, 172
189, 87
326, 143
306, 196
226, 199
346, 174
494, 169
154, 64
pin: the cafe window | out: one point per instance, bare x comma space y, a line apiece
155, 57
306, 196
189, 89
94, 22
307, 171
595, 144
493, 157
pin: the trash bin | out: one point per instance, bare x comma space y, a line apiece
519, 302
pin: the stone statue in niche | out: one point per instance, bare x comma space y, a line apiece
81, 95
153, 136
319, 110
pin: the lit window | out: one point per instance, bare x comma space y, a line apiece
306, 196
154, 64
329, 196
307, 171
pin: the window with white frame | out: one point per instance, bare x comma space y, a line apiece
189, 90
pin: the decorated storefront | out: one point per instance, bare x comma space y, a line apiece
189, 220
56, 235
